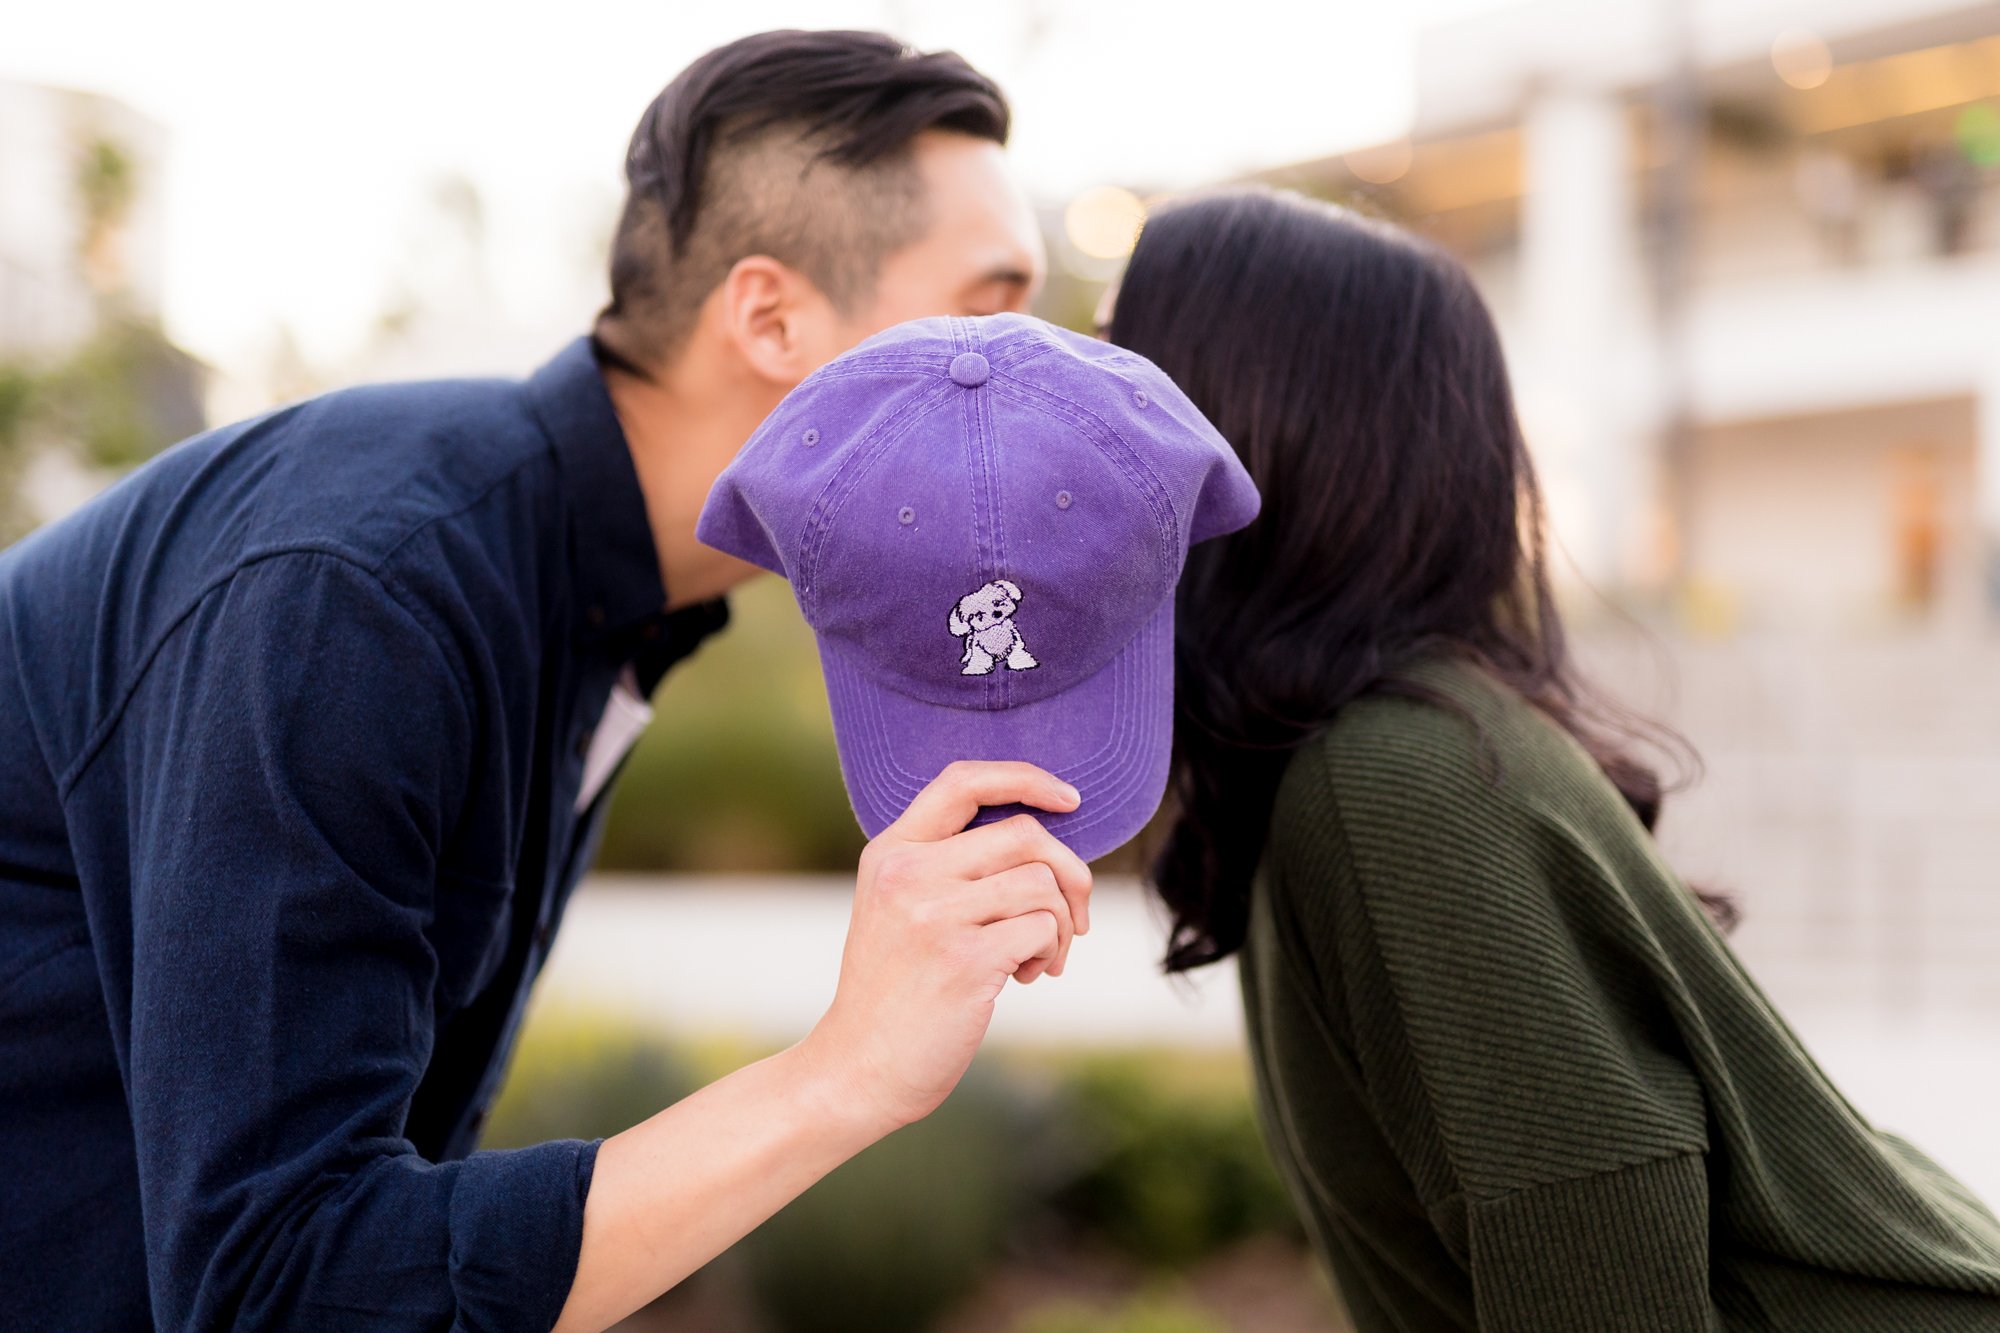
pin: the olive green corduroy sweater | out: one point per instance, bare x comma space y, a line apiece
1516, 1081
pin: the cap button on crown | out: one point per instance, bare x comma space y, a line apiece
969, 369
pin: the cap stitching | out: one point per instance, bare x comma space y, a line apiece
1013, 358
990, 468
1031, 391
979, 477
888, 780
975, 473
861, 365
1085, 767
876, 787
1125, 459
900, 781
888, 798
861, 455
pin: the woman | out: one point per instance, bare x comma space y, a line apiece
1512, 1074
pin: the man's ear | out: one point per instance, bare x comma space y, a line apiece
779, 321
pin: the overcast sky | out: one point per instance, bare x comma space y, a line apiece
305, 137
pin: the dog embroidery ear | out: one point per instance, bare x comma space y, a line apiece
957, 624
1011, 589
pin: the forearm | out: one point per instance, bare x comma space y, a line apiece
943, 917
676, 1190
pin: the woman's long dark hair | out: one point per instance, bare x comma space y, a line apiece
1357, 373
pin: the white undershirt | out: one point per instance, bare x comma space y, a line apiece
626, 714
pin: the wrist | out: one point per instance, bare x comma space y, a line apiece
833, 1093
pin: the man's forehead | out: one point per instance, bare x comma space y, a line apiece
974, 194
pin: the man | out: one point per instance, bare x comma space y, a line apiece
304, 733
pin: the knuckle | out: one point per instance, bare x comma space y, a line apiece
1024, 831
896, 871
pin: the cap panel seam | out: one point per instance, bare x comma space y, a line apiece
1124, 457
1000, 682
1010, 358
978, 494
1030, 352
865, 452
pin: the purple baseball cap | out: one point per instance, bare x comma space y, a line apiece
983, 521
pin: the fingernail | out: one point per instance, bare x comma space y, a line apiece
1074, 794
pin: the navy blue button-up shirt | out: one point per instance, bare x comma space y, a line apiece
292, 726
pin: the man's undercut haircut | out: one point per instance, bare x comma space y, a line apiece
791, 144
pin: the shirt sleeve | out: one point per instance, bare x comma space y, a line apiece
297, 752
1499, 992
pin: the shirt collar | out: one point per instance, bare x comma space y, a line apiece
621, 599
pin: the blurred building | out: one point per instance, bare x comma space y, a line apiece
51, 276
95, 383
1746, 257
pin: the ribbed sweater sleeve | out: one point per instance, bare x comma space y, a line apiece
1625, 1249
1499, 993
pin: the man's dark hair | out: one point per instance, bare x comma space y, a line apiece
790, 144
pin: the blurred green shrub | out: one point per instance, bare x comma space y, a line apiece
902, 1233
1152, 1156
1145, 1314
1170, 1176
583, 1077
738, 771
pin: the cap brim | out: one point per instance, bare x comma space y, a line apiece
1110, 737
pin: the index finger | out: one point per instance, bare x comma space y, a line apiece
953, 797
996, 848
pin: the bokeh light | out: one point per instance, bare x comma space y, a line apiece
1801, 58
1978, 133
1104, 222
1382, 164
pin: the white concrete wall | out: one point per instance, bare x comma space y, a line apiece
1803, 520
758, 958
1585, 358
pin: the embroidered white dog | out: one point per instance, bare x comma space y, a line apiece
986, 620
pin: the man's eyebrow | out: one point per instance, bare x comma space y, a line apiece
1012, 274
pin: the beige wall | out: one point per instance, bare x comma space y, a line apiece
1824, 521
